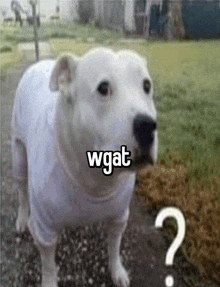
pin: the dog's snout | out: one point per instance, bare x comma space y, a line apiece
144, 126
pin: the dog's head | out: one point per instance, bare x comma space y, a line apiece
106, 101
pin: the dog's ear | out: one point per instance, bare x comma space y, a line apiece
63, 72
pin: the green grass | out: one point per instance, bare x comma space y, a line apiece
60, 30
187, 91
6, 47
9, 58
8, 51
11, 36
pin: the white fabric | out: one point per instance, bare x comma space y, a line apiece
55, 201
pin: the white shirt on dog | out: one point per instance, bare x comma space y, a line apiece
55, 201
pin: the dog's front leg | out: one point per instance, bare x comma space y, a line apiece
115, 229
49, 271
20, 184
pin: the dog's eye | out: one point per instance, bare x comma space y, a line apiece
146, 86
104, 88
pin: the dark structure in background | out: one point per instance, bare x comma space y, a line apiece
85, 11
201, 19
190, 19
168, 19
157, 18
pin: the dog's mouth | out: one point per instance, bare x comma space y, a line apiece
142, 159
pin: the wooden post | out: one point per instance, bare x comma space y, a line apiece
33, 4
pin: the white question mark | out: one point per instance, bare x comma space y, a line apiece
181, 227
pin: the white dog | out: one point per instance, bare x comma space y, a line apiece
63, 109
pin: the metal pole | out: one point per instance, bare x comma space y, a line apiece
35, 31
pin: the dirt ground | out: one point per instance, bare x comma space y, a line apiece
81, 254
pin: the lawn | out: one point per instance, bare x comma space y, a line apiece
59, 30
12, 35
187, 93
8, 51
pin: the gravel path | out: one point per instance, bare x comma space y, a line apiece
81, 254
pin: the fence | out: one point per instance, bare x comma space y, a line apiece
169, 19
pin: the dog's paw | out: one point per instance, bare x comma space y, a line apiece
49, 282
21, 222
120, 276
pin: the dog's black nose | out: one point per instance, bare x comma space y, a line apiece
144, 127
